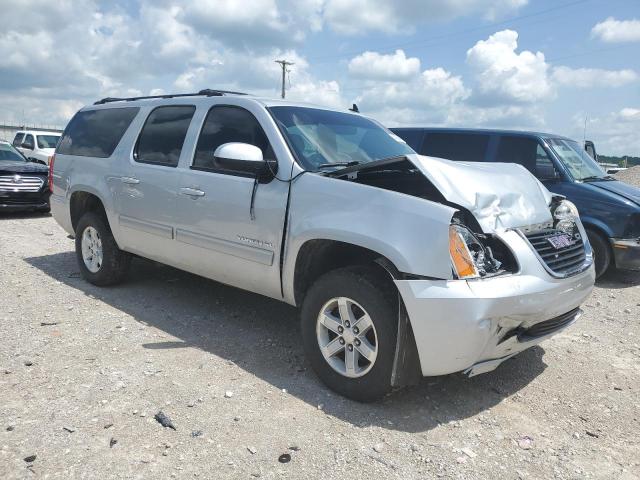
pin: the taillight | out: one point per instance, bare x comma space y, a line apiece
51, 160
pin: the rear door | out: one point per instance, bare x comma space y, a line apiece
147, 191
217, 234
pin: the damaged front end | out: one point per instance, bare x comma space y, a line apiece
521, 264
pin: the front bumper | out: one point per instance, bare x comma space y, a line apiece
474, 325
11, 201
626, 253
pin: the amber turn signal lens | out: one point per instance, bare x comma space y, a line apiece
460, 256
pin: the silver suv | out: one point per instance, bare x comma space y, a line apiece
402, 266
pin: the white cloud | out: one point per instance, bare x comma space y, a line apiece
617, 31
427, 97
517, 117
376, 66
615, 133
256, 24
325, 93
506, 76
360, 16
83, 50
593, 77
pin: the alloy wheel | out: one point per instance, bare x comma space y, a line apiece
347, 337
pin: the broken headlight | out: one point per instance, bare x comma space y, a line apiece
470, 257
565, 215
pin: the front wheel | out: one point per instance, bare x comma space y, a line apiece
349, 330
100, 260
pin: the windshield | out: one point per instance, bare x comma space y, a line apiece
322, 138
578, 162
48, 141
10, 154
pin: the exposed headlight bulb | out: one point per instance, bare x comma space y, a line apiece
565, 215
565, 211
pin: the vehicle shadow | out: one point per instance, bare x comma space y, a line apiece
617, 279
262, 336
19, 215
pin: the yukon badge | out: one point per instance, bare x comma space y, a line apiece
255, 242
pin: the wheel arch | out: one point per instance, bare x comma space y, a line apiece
319, 256
82, 201
597, 226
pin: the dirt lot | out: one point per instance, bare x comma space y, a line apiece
83, 371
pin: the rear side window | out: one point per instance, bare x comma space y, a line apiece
161, 139
18, 140
47, 141
226, 124
462, 147
96, 133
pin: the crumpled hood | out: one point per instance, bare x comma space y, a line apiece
499, 195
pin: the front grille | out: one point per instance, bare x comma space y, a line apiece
18, 183
548, 326
564, 260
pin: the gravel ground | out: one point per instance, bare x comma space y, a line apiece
83, 371
630, 175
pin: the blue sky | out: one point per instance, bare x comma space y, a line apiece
524, 64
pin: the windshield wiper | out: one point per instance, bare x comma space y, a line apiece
338, 164
594, 178
357, 166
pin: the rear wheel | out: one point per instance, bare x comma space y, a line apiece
601, 252
349, 330
100, 260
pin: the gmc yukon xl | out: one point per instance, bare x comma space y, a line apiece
402, 266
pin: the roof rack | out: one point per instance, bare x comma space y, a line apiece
207, 92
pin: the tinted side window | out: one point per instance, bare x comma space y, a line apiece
96, 133
521, 150
18, 140
412, 136
545, 169
463, 147
226, 124
161, 139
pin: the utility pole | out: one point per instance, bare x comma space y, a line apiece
284, 65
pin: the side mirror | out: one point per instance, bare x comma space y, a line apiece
245, 159
27, 146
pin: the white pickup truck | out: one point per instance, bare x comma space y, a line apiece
36, 145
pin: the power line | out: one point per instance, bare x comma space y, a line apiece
284, 64
449, 35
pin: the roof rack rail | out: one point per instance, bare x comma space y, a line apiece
207, 92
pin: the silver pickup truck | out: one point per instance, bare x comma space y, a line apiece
403, 266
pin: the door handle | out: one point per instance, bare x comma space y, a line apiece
191, 192
130, 180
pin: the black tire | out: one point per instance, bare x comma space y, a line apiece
601, 252
115, 263
378, 296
